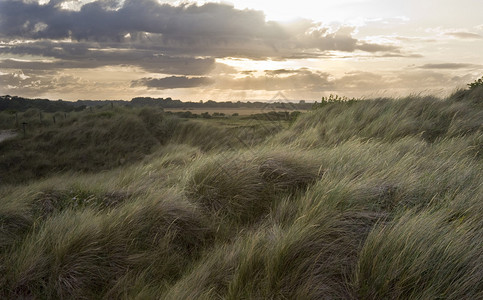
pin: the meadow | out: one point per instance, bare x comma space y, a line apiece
371, 199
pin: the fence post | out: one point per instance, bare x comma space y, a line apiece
23, 125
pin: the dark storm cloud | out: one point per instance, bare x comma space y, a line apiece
182, 40
212, 29
172, 82
448, 66
464, 35
96, 22
165, 65
85, 55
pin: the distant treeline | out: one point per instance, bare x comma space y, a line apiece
15, 103
268, 115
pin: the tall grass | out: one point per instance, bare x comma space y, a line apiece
243, 185
105, 138
429, 255
84, 142
376, 199
82, 254
389, 120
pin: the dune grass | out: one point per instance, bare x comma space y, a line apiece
104, 138
429, 255
373, 199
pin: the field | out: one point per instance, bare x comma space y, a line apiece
228, 111
370, 199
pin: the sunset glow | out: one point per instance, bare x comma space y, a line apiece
237, 50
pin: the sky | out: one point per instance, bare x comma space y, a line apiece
238, 50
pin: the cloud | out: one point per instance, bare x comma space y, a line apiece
398, 80
464, 35
448, 66
368, 47
312, 83
248, 72
284, 71
89, 55
358, 80
212, 29
412, 39
275, 80
48, 41
409, 55
177, 46
172, 82
33, 84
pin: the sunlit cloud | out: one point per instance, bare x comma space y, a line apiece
117, 49
450, 66
464, 35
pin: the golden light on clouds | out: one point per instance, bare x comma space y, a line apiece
237, 50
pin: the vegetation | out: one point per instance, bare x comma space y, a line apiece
372, 199
16, 104
477, 83
107, 137
333, 99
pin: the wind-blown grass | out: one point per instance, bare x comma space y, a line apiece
99, 140
373, 199
243, 185
425, 256
389, 120
82, 254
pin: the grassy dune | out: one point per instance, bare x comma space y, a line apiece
105, 138
373, 199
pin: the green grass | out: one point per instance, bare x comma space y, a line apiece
429, 255
372, 199
105, 138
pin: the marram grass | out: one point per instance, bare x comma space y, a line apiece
373, 199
